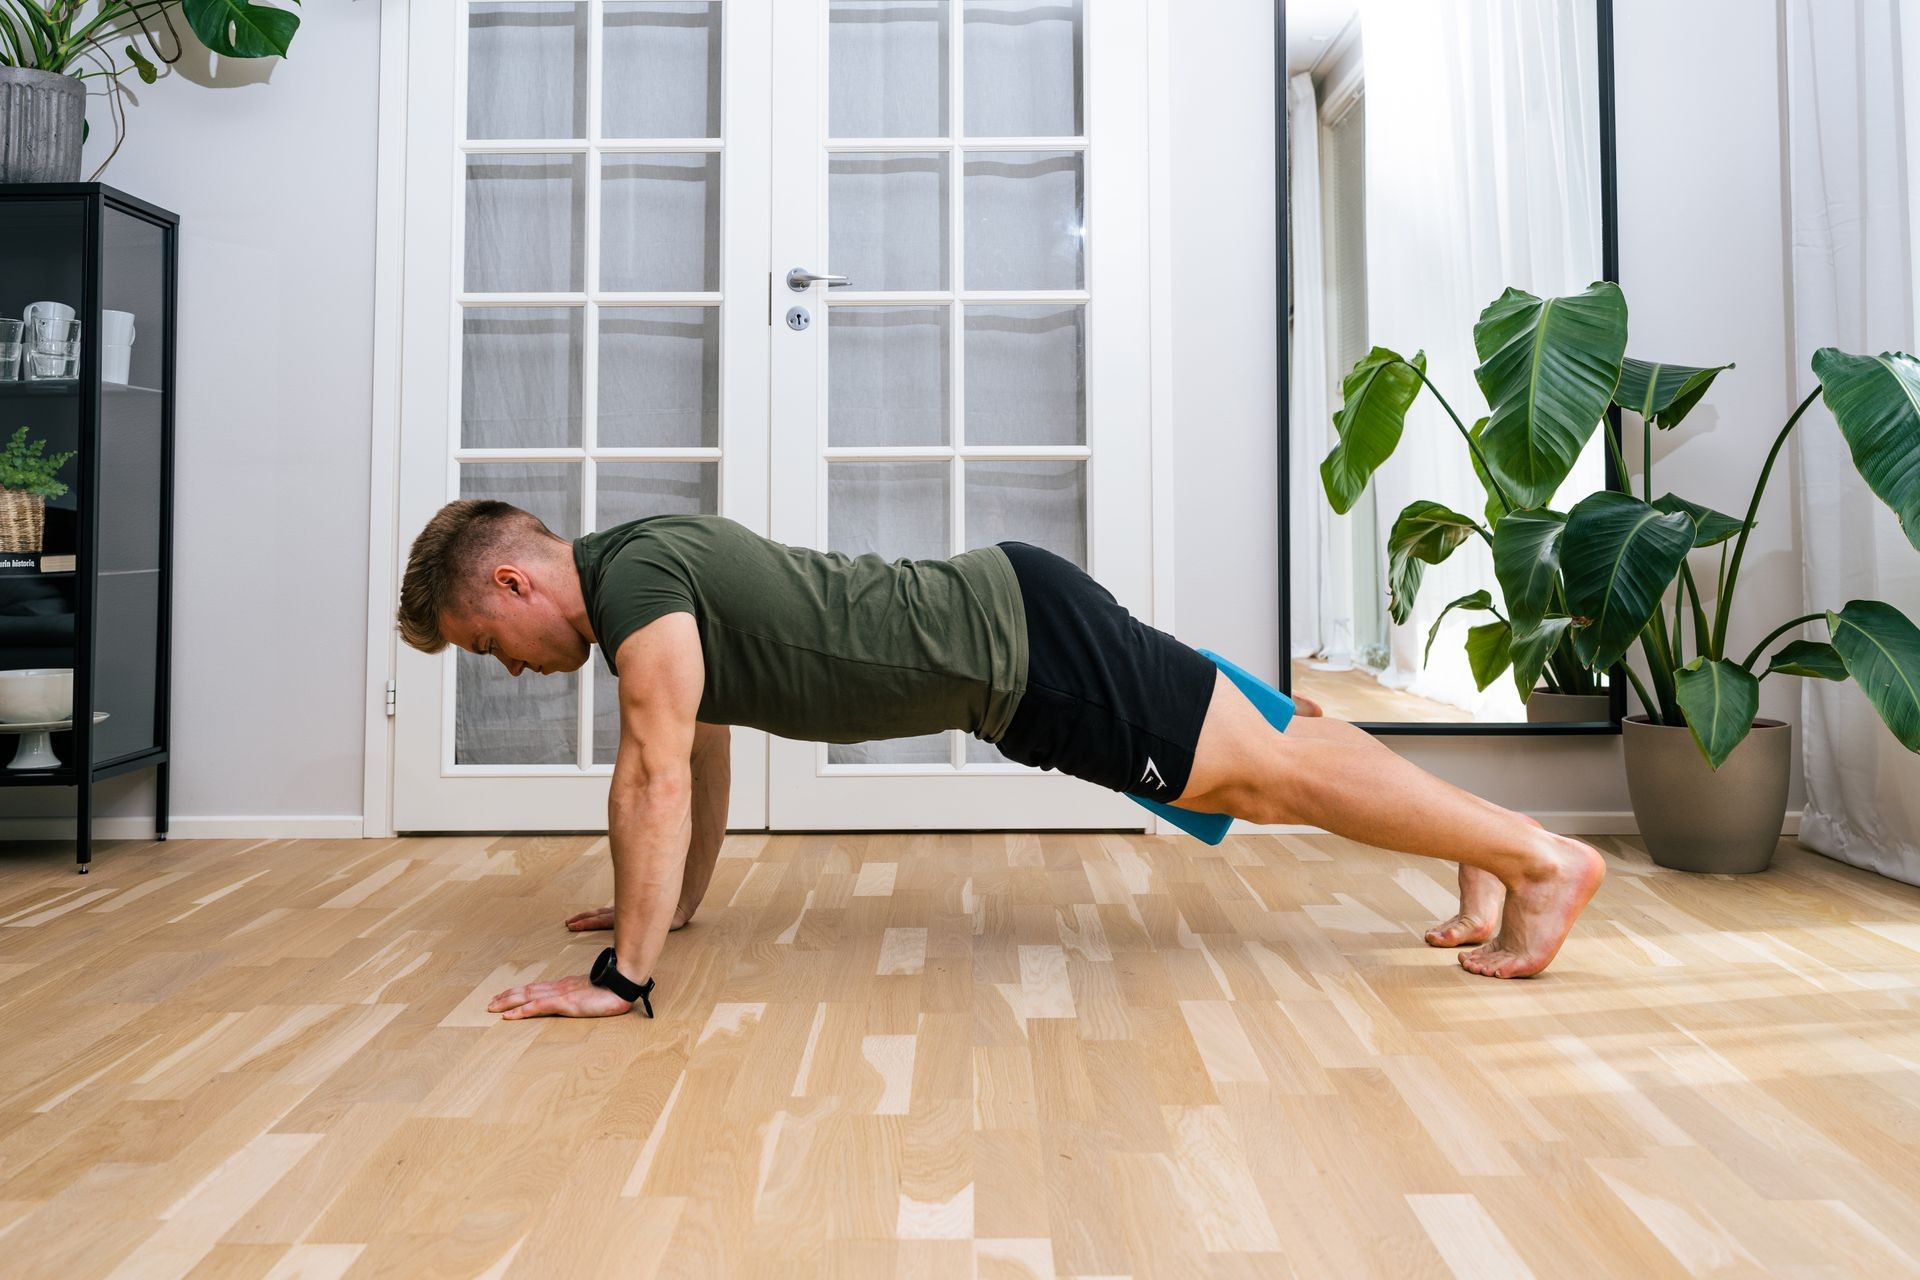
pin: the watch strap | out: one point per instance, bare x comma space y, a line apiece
608, 975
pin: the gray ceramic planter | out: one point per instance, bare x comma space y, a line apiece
42, 116
1694, 818
1563, 708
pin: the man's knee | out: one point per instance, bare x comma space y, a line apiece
1260, 782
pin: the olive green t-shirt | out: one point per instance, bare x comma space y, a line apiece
817, 645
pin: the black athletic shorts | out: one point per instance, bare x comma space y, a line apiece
1109, 698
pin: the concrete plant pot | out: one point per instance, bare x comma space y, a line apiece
1564, 708
42, 116
1694, 818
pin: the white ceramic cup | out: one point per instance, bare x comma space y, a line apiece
114, 363
116, 328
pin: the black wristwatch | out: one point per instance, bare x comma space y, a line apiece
606, 973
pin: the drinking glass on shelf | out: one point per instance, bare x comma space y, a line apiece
12, 339
53, 348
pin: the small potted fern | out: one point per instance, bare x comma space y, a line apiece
49, 49
28, 477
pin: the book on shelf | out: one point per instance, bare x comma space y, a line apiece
16, 563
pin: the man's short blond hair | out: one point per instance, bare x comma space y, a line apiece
447, 566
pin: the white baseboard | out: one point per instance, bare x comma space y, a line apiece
345, 826
1576, 823
350, 826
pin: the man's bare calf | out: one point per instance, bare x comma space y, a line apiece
1328, 774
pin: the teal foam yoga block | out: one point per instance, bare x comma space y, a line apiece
1276, 706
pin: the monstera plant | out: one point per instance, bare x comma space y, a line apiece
1548, 370
50, 48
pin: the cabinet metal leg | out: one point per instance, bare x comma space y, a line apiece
83, 826
160, 800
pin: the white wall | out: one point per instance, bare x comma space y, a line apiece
1702, 245
275, 185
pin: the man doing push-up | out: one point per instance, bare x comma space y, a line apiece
706, 625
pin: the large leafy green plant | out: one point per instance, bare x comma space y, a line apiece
1621, 556
1548, 371
105, 39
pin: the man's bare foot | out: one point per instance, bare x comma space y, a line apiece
1305, 706
681, 916
1481, 895
1540, 910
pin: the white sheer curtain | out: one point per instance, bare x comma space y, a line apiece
1483, 171
1314, 625
1854, 155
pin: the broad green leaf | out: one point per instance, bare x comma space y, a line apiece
1375, 397
1476, 600
1710, 527
1533, 644
1809, 658
1663, 393
1425, 533
1718, 699
1526, 560
1496, 509
240, 28
1489, 651
1548, 368
1882, 652
1876, 401
1617, 556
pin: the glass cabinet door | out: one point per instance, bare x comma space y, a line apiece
42, 275
128, 349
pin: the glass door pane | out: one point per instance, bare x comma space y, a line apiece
590, 308
131, 344
956, 406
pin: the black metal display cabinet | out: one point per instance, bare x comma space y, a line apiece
86, 581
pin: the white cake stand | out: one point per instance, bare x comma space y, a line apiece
36, 742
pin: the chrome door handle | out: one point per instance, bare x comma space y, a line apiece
799, 279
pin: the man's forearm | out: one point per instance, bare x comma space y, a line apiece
649, 835
712, 789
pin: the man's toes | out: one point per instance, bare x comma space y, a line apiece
1458, 931
1488, 962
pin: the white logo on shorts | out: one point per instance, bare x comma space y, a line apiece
1153, 772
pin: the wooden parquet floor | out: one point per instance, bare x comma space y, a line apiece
946, 1055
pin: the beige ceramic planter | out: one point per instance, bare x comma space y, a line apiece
1694, 818
1564, 708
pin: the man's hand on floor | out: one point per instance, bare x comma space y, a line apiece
597, 918
602, 918
574, 997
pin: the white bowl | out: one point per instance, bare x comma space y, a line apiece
36, 695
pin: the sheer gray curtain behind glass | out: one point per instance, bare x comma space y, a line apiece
526, 71
499, 718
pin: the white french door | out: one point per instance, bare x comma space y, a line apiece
604, 201
585, 336
976, 171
